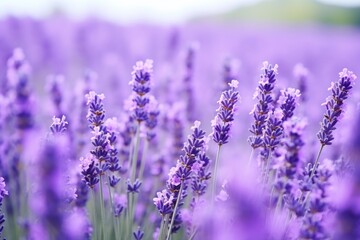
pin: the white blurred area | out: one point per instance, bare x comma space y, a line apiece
131, 11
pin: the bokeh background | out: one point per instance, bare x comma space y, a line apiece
71, 37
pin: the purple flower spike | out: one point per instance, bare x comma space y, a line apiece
3, 193
119, 204
82, 190
141, 80
301, 74
133, 187
288, 101
179, 177
89, 170
152, 120
229, 69
163, 202
334, 105
265, 99
58, 125
273, 133
113, 180
138, 234
18, 73
55, 89
188, 81
225, 114
96, 113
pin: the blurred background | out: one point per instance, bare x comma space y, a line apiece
69, 37
175, 11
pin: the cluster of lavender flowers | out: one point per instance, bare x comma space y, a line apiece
102, 170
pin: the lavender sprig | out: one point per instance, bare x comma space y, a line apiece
288, 101
265, 99
179, 177
141, 80
223, 122
58, 125
225, 114
334, 109
334, 105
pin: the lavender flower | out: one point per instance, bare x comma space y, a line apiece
229, 68
82, 190
225, 114
141, 80
18, 77
112, 129
89, 170
119, 204
293, 129
334, 105
175, 116
3, 193
133, 187
179, 177
96, 112
84, 87
288, 101
163, 202
138, 234
54, 87
301, 74
152, 119
265, 99
188, 88
113, 180
58, 125
201, 176
273, 131
313, 227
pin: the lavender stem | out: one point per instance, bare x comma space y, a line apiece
316, 162
135, 153
174, 212
213, 187
143, 157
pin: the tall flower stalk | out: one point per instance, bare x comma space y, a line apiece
264, 106
141, 85
169, 200
334, 109
222, 124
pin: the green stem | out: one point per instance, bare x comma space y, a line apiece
143, 158
174, 212
135, 153
129, 221
111, 211
316, 162
193, 234
102, 209
94, 214
116, 224
213, 186
163, 225
250, 158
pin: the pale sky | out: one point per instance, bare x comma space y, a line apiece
128, 11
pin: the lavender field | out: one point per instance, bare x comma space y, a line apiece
201, 131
